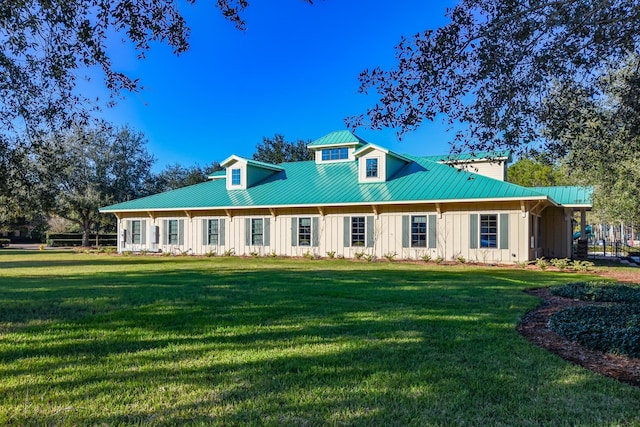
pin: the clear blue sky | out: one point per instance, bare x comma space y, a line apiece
293, 71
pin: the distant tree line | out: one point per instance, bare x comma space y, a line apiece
72, 175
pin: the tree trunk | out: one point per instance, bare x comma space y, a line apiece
86, 230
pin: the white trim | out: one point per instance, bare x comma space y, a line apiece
315, 205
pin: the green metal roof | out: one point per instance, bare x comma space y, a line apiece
311, 184
341, 137
568, 196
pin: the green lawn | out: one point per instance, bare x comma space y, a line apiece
108, 340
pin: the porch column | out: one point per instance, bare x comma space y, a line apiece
583, 247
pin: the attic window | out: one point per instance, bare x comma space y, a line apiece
372, 168
235, 176
335, 154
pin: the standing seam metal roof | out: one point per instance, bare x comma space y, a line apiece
310, 184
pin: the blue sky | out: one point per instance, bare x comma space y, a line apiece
293, 71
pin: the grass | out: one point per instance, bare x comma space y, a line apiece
97, 339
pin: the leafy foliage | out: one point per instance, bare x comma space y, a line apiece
89, 168
47, 45
177, 176
613, 329
493, 66
277, 150
599, 290
530, 172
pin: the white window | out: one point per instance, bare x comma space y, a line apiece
372, 168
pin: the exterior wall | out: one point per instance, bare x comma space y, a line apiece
452, 232
496, 170
556, 233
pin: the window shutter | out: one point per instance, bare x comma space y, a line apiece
294, 231
221, 232
266, 236
247, 231
405, 231
473, 231
347, 232
143, 232
181, 232
432, 232
315, 231
504, 231
370, 231
165, 231
205, 232
129, 230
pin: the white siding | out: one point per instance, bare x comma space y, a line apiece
452, 233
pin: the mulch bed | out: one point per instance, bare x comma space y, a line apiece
534, 328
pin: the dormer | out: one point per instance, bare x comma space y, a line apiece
377, 164
488, 163
244, 173
336, 147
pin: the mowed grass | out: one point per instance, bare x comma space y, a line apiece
108, 340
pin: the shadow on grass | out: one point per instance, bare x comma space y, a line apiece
229, 343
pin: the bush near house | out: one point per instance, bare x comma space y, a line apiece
4, 242
75, 239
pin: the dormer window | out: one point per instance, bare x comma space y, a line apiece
335, 154
372, 168
235, 176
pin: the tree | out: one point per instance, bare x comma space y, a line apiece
600, 137
493, 66
94, 167
46, 45
530, 172
277, 150
177, 176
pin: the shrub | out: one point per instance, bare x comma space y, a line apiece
210, 254
254, 254
369, 257
331, 254
359, 255
613, 329
390, 256
542, 263
126, 253
273, 254
461, 259
230, 252
582, 265
599, 290
439, 260
4, 242
426, 257
110, 250
560, 263
308, 255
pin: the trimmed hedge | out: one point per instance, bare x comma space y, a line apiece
4, 242
75, 239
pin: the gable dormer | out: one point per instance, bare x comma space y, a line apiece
377, 164
335, 147
244, 173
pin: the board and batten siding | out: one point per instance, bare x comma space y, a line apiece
448, 234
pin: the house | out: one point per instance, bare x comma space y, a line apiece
358, 197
